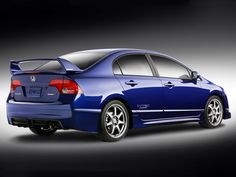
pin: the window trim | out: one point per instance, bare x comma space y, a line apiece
116, 62
138, 53
168, 58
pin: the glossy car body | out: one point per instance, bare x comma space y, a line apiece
150, 100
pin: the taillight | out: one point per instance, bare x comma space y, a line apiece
15, 84
66, 86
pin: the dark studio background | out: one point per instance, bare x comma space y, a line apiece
200, 33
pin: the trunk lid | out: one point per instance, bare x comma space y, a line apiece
35, 88
32, 79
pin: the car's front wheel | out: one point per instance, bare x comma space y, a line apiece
114, 121
213, 114
43, 131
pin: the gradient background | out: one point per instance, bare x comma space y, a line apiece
199, 33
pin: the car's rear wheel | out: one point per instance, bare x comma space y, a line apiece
43, 131
213, 114
114, 121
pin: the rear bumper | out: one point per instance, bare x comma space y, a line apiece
39, 111
21, 122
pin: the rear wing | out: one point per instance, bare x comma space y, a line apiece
15, 66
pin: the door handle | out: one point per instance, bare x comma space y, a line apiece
169, 84
131, 83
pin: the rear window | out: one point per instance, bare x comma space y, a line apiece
41, 65
84, 59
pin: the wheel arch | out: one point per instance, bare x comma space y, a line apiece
219, 94
123, 100
222, 98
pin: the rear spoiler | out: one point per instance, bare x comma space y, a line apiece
66, 65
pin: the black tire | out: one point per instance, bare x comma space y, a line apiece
119, 123
207, 121
43, 131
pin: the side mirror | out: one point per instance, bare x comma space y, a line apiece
195, 75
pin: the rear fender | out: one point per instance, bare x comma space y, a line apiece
118, 97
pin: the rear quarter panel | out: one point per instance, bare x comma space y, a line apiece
97, 91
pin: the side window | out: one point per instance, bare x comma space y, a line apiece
116, 68
169, 68
135, 65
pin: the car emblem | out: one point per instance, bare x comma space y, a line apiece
32, 78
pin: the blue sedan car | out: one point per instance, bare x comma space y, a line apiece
109, 91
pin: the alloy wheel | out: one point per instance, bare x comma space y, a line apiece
215, 112
115, 120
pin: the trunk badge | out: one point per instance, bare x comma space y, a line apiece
32, 78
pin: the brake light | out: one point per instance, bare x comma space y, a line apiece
66, 86
14, 85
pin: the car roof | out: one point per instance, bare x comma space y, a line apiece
111, 51
121, 51
115, 50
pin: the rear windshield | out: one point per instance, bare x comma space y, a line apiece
84, 59
41, 65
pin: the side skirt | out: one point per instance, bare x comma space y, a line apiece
171, 120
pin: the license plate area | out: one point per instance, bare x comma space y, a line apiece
34, 92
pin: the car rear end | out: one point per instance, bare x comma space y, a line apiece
42, 93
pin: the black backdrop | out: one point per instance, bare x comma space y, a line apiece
201, 33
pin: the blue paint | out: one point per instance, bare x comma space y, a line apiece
100, 85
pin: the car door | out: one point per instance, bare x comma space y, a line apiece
183, 96
143, 92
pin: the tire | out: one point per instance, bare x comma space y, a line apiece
43, 131
213, 114
114, 122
